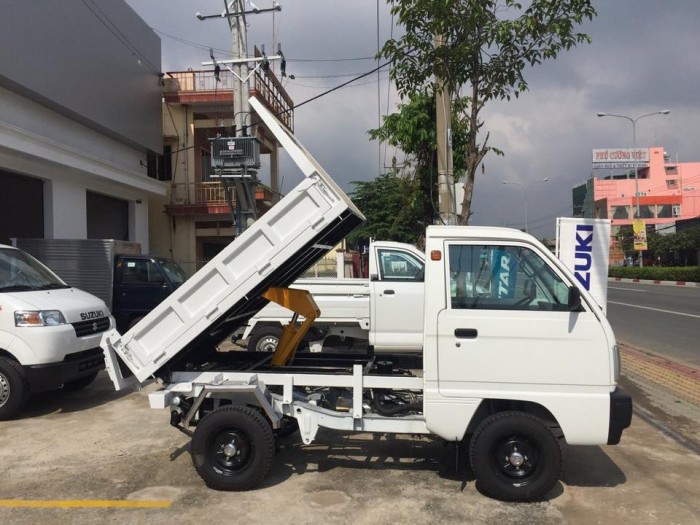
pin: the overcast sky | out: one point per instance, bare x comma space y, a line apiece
644, 57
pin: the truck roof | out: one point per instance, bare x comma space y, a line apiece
274, 251
479, 232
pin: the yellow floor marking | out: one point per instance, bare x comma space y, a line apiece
85, 504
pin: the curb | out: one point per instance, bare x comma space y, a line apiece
650, 281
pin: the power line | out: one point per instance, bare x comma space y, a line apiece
207, 47
338, 87
316, 97
310, 86
105, 21
330, 59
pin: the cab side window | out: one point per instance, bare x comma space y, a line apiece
397, 265
503, 278
140, 271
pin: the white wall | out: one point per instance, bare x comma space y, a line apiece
64, 210
138, 223
72, 159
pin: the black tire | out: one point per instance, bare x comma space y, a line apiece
264, 338
515, 457
14, 388
232, 448
80, 383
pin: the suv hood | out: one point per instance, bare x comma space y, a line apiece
74, 304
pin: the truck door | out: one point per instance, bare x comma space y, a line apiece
507, 326
397, 293
139, 287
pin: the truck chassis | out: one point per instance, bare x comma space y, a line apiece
234, 414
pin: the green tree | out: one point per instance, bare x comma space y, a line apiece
487, 46
412, 129
625, 237
675, 248
393, 210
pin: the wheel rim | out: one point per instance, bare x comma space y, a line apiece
231, 452
4, 389
517, 458
267, 344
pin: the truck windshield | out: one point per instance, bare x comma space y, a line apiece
175, 274
20, 271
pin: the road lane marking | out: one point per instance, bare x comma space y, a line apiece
625, 289
85, 504
656, 309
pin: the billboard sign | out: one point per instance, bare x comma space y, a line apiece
583, 245
620, 158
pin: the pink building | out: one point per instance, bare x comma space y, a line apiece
669, 191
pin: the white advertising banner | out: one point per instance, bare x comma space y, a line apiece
620, 158
583, 245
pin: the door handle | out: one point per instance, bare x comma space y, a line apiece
466, 333
388, 292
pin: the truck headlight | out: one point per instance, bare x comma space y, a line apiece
39, 318
616, 363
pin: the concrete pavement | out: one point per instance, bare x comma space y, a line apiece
99, 447
665, 391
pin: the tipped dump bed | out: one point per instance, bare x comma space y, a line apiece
301, 228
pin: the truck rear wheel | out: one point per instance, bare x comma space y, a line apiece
233, 447
14, 389
515, 457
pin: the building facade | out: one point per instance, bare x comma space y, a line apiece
199, 214
80, 126
668, 192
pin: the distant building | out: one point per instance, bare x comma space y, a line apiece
668, 192
80, 124
196, 219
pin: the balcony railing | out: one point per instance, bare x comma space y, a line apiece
267, 86
208, 193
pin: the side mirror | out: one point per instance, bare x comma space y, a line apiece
573, 303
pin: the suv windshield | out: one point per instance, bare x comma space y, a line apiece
20, 271
173, 271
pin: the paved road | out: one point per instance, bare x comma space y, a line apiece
663, 319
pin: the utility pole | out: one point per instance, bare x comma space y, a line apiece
443, 123
240, 179
239, 49
241, 91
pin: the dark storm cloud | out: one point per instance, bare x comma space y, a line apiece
643, 58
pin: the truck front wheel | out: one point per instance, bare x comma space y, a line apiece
515, 457
264, 339
14, 389
233, 448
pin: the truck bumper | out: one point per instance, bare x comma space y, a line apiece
74, 366
620, 415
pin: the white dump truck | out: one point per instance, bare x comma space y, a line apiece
384, 311
516, 358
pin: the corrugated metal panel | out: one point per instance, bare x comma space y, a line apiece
87, 264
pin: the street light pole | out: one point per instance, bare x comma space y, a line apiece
634, 159
524, 188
